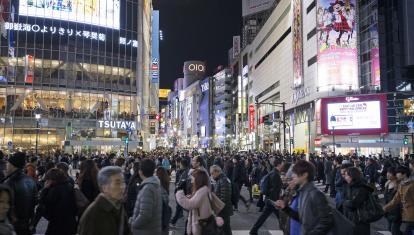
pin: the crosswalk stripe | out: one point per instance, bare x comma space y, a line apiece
246, 232
385, 232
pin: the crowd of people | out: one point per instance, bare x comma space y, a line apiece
131, 195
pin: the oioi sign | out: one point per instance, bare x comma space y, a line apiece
124, 125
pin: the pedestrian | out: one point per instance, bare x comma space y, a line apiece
65, 168
2, 166
357, 193
393, 216
132, 189
106, 215
147, 216
271, 190
24, 191
198, 204
57, 204
404, 196
183, 182
238, 179
222, 189
164, 178
328, 170
6, 202
314, 214
87, 180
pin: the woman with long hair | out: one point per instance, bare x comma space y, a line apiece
87, 180
6, 203
198, 204
132, 189
164, 177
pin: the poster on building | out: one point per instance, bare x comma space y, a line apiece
337, 44
297, 44
251, 118
236, 46
375, 61
29, 69
251, 7
155, 47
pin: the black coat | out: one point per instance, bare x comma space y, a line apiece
274, 185
25, 197
132, 193
89, 189
222, 189
57, 204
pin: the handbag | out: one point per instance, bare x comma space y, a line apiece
371, 210
209, 225
81, 201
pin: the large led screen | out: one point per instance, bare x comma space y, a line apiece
95, 12
354, 115
337, 44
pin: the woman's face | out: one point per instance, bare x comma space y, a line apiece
348, 178
4, 205
390, 176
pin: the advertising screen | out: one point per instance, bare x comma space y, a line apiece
354, 115
104, 13
297, 44
337, 44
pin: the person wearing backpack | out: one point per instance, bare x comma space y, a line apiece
356, 193
271, 186
405, 197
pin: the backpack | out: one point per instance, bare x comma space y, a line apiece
371, 210
166, 215
264, 184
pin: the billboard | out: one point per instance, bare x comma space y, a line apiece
251, 7
236, 46
337, 44
155, 66
105, 13
297, 44
354, 115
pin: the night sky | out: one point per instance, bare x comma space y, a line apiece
196, 30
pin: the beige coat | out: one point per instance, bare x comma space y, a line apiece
198, 203
405, 196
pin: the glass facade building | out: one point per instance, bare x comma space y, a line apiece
75, 64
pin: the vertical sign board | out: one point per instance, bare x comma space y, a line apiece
155, 65
236, 46
337, 44
375, 61
297, 44
251, 118
29, 69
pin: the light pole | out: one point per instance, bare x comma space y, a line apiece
37, 116
333, 138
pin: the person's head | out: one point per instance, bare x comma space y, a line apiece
88, 171
344, 167
119, 161
5, 202
215, 171
16, 161
391, 173
63, 166
352, 174
197, 162
147, 168
55, 176
338, 161
277, 163
199, 179
111, 182
162, 174
303, 172
403, 172
184, 163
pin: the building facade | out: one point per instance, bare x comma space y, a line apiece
78, 69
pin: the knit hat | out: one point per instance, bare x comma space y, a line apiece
18, 160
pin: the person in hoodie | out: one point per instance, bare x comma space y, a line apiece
147, 216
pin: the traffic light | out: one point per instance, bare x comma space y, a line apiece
126, 140
405, 140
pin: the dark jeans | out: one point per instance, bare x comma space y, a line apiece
394, 227
409, 228
269, 209
178, 213
24, 231
226, 226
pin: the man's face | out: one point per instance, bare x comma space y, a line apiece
116, 187
400, 176
10, 168
214, 174
194, 163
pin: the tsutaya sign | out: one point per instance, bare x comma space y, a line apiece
118, 125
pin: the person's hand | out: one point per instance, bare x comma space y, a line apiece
280, 204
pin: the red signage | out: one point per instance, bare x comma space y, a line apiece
29, 69
251, 117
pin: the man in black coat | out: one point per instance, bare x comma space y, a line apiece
24, 191
274, 187
183, 181
222, 188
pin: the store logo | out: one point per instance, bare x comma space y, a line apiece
125, 125
204, 87
350, 99
196, 67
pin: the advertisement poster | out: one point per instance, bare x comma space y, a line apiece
337, 44
297, 44
205, 111
29, 69
155, 65
251, 118
96, 12
236, 46
375, 61
354, 115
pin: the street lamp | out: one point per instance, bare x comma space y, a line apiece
37, 116
333, 121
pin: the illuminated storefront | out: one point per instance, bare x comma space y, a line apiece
75, 66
